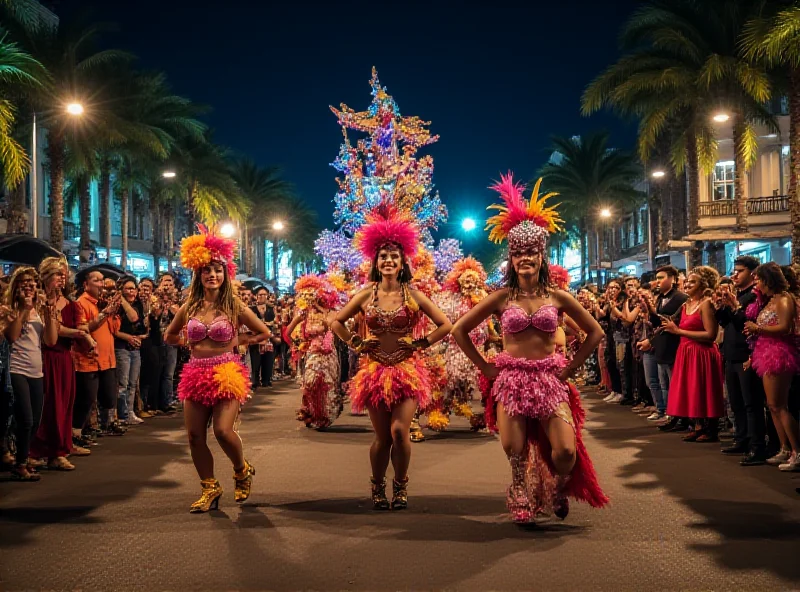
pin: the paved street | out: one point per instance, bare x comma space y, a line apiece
683, 517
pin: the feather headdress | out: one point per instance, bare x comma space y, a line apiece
387, 225
199, 250
460, 267
321, 289
525, 224
559, 276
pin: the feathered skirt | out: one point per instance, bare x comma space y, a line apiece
210, 380
775, 355
384, 380
531, 388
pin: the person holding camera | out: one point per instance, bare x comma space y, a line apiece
262, 355
169, 297
127, 344
745, 389
30, 319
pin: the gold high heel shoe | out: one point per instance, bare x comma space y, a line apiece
243, 480
400, 494
209, 500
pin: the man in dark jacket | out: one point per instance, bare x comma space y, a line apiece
745, 389
663, 346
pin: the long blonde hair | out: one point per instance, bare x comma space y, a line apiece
53, 265
14, 284
227, 302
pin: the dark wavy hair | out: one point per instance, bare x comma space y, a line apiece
772, 276
405, 274
512, 279
790, 274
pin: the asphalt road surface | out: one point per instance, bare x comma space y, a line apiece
683, 517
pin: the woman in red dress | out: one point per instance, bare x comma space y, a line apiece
695, 390
53, 440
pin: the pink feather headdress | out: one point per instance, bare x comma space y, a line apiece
199, 250
525, 224
387, 225
559, 276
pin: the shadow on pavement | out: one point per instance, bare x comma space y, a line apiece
730, 498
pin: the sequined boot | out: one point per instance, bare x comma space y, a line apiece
242, 481
400, 494
517, 500
209, 500
379, 501
561, 503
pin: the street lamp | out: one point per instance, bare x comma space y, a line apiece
721, 117
73, 109
468, 224
277, 225
605, 213
227, 230
169, 174
658, 174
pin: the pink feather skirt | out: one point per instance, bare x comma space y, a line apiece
210, 380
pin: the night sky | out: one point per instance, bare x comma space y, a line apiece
496, 79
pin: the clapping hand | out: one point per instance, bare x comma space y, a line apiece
750, 328
668, 325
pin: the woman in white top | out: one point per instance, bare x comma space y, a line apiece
30, 318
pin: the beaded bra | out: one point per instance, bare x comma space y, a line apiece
515, 319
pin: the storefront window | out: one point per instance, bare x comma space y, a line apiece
723, 180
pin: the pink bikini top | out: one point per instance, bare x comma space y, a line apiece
515, 319
220, 329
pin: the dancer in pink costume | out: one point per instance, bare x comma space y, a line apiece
539, 415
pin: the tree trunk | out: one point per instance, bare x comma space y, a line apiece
55, 159
584, 247
124, 230
17, 217
191, 213
794, 160
739, 176
155, 221
245, 249
170, 241
85, 207
693, 180
105, 207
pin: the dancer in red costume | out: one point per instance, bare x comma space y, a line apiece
214, 382
539, 415
393, 378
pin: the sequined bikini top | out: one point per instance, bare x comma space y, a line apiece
380, 321
220, 329
515, 319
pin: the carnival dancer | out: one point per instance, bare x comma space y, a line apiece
214, 382
463, 288
392, 379
322, 400
539, 414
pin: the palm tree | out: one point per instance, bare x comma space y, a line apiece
147, 120
683, 64
264, 190
132, 176
19, 72
68, 54
773, 36
588, 175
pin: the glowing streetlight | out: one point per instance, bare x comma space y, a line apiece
658, 174
468, 224
169, 174
721, 117
277, 225
605, 213
227, 230
75, 109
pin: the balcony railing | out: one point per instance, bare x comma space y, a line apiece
756, 205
